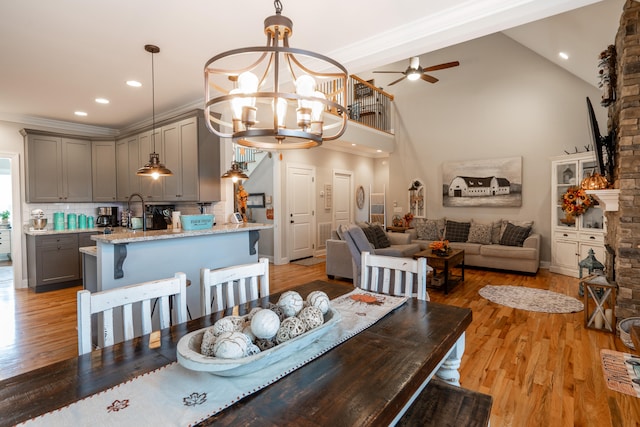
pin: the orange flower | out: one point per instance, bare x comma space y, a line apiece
439, 245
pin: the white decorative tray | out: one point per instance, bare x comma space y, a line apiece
190, 357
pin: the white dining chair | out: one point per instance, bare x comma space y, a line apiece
230, 286
125, 297
394, 276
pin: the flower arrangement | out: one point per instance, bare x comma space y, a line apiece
576, 201
441, 246
408, 217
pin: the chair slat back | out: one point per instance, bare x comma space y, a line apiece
106, 301
226, 287
394, 275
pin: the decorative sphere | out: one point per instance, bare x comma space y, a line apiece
291, 303
231, 345
208, 340
253, 311
247, 331
228, 324
265, 343
320, 300
277, 310
253, 349
265, 324
290, 328
312, 317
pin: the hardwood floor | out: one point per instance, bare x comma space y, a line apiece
541, 369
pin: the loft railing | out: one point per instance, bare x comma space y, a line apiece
366, 103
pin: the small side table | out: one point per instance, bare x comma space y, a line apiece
398, 229
599, 303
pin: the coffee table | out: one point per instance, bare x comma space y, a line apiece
445, 263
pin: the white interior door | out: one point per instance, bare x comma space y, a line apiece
342, 198
300, 211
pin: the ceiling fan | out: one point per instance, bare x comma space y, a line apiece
414, 71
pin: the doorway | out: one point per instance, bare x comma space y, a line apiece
300, 211
342, 198
6, 207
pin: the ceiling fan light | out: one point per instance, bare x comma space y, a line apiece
413, 75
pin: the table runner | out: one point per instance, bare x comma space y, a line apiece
174, 395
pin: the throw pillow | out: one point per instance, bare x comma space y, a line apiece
457, 231
514, 235
381, 237
368, 232
427, 229
496, 232
479, 233
516, 223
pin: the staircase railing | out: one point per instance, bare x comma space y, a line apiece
366, 104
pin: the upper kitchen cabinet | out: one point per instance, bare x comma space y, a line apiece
150, 189
187, 148
103, 156
58, 168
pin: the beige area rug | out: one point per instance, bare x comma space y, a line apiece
531, 299
307, 262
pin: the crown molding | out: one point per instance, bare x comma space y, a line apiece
58, 125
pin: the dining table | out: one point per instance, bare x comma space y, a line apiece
369, 379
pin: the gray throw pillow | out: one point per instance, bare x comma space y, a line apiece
371, 236
516, 223
457, 231
429, 229
514, 235
496, 232
479, 233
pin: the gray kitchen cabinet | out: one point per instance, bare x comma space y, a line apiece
53, 261
151, 189
58, 168
122, 169
103, 162
180, 147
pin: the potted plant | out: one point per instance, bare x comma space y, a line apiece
4, 215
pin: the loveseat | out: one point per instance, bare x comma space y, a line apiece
340, 261
501, 244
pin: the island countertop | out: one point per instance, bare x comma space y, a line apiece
132, 236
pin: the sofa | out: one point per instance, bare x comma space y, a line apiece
501, 244
340, 260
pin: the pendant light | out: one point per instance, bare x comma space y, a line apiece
254, 88
153, 168
235, 172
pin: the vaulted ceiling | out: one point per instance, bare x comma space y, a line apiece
58, 57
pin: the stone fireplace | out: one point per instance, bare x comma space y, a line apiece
623, 226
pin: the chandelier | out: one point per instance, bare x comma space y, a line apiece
153, 168
257, 90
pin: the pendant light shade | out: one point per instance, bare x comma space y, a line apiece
153, 168
235, 173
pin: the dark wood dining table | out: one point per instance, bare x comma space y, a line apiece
368, 380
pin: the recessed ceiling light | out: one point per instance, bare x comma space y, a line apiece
134, 83
378, 151
563, 55
102, 100
80, 113
353, 144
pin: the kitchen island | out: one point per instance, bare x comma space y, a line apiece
125, 256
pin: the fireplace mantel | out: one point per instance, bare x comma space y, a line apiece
608, 199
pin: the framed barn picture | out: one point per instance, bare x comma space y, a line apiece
493, 183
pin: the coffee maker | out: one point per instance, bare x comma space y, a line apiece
107, 216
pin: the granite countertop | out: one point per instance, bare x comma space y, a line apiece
89, 250
48, 231
123, 235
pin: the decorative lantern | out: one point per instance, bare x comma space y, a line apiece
599, 304
592, 265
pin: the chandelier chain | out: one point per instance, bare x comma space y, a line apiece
278, 5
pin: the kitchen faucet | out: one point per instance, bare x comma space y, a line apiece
144, 210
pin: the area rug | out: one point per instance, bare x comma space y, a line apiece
531, 299
621, 371
307, 262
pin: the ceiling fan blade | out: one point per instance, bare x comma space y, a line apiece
396, 81
428, 78
442, 66
389, 72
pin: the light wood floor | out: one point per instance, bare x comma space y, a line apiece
541, 369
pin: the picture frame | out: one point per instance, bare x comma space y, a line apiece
256, 200
360, 90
